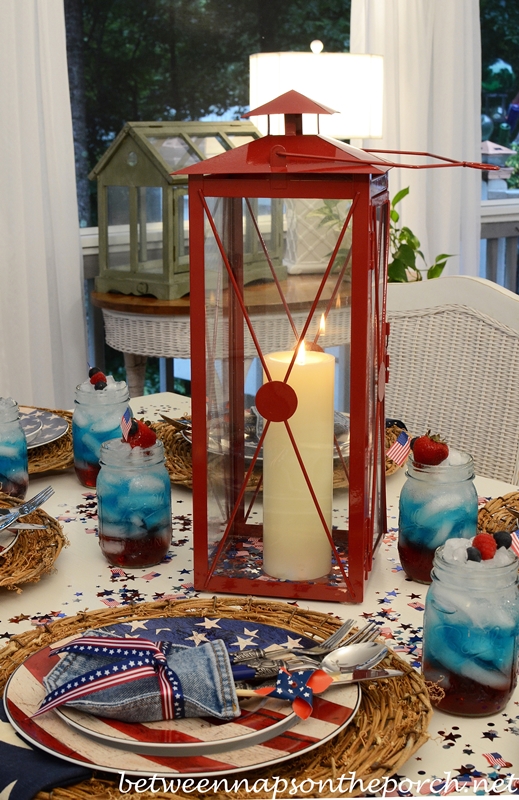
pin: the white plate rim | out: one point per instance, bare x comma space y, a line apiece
180, 775
187, 749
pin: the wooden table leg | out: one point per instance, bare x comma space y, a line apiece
135, 373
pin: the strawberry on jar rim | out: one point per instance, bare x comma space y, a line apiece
429, 449
141, 435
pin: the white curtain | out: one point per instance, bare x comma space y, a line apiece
432, 101
42, 330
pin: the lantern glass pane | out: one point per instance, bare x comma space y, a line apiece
294, 480
149, 229
175, 151
118, 215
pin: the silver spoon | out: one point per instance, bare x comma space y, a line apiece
345, 659
354, 656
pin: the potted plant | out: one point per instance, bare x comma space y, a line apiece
405, 247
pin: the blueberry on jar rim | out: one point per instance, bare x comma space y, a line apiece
503, 539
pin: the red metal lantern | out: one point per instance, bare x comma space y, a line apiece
288, 376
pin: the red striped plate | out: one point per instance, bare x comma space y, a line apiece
266, 733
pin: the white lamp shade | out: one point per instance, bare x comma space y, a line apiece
350, 84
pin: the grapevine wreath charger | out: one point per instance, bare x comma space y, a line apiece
390, 725
175, 435
31, 556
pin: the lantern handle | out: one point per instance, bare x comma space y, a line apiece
450, 162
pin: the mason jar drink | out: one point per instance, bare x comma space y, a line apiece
471, 626
436, 503
96, 419
14, 470
134, 504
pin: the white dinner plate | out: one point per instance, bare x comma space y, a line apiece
266, 733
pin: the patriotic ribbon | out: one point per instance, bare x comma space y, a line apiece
137, 658
298, 687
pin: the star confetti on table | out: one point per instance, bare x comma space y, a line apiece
450, 737
490, 735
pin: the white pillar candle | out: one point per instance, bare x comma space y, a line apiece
295, 544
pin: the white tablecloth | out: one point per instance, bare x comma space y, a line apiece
459, 748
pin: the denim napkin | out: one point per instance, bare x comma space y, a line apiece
204, 681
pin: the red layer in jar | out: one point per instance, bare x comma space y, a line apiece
465, 697
416, 561
16, 489
146, 551
88, 475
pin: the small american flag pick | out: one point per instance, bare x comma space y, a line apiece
126, 422
496, 760
515, 542
399, 450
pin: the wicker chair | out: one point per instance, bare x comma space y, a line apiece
454, 367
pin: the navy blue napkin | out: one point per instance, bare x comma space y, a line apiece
25, 771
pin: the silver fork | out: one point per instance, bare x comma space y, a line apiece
26, 508
368, 633
257, 654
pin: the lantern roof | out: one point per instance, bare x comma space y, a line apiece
291, 102
294, 152
291, 154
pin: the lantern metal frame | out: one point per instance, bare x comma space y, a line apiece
279, 167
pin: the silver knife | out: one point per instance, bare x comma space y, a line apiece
245, 689
364, 675
27, 526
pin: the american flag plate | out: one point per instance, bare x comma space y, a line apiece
266, 733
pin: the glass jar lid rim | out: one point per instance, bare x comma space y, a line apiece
474, 568
115, 453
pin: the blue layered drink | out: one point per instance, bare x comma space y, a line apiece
471, 625
14, 472
96, 419
134, 504
436, 503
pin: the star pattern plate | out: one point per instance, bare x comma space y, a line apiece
43, 427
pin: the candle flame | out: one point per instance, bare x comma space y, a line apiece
301, 353
338, 301
322, 326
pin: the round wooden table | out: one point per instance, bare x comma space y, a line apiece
140, 327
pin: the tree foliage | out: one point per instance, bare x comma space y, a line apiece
500, 33
185, 59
